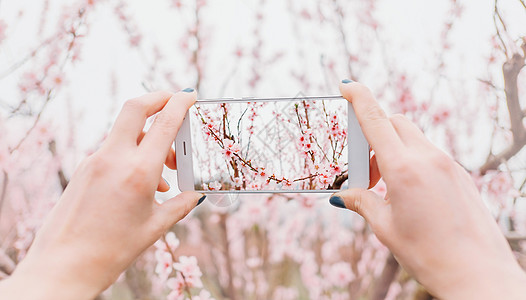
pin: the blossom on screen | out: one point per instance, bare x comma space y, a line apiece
214, 186
230, 148
335, 168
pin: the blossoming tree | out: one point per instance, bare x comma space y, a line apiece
67, 66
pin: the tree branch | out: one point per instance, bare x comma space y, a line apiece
63, 181
7, 265
388, 275
510, 69
4, 190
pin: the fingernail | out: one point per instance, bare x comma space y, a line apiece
337, 201
167, 183
346, 81
201, 200
188, 90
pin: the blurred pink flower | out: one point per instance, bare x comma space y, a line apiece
164, 264
203, 295
440, 116
172, 241
339, 274
176, 285
187, 265
285, 293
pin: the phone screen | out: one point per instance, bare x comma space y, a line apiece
298, 144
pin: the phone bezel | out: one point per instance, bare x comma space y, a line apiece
358, 153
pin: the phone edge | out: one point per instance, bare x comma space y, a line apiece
184, 157
358, 152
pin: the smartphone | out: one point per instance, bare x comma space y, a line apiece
271, 145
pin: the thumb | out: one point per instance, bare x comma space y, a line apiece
176, 208
364, 202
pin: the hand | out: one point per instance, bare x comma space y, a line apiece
433, 219
108, 215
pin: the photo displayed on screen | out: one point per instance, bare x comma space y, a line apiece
275, 145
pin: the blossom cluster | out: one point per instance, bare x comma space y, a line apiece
303, 145
178, 277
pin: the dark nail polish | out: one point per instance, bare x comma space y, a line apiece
337, 201
188, 90
346, 81
201, 200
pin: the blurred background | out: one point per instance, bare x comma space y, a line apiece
66, 68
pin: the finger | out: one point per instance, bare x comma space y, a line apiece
163, 186
176, 208
408, 132
133, 115
170, 161
364, 202
158, 141
375, 125
374, 173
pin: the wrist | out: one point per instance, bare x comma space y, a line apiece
491, 280
51, 277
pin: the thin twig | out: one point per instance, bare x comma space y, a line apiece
496, 15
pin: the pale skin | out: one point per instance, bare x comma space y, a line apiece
433, 219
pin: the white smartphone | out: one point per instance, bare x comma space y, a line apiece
271, 145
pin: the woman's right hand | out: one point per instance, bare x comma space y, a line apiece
433, 219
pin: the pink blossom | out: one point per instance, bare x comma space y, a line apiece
286, 182
325, 178
176, 285
215, 186
187, 265
177, 4
30, 82
203, 295
135, 40
254, 262
171, 240
238, 181
285, 293
230, 148
239, 53
262, 173
164, 264
307, 147
335, 168
440, 116
255, 186
500, 187
339, 274
335, 130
